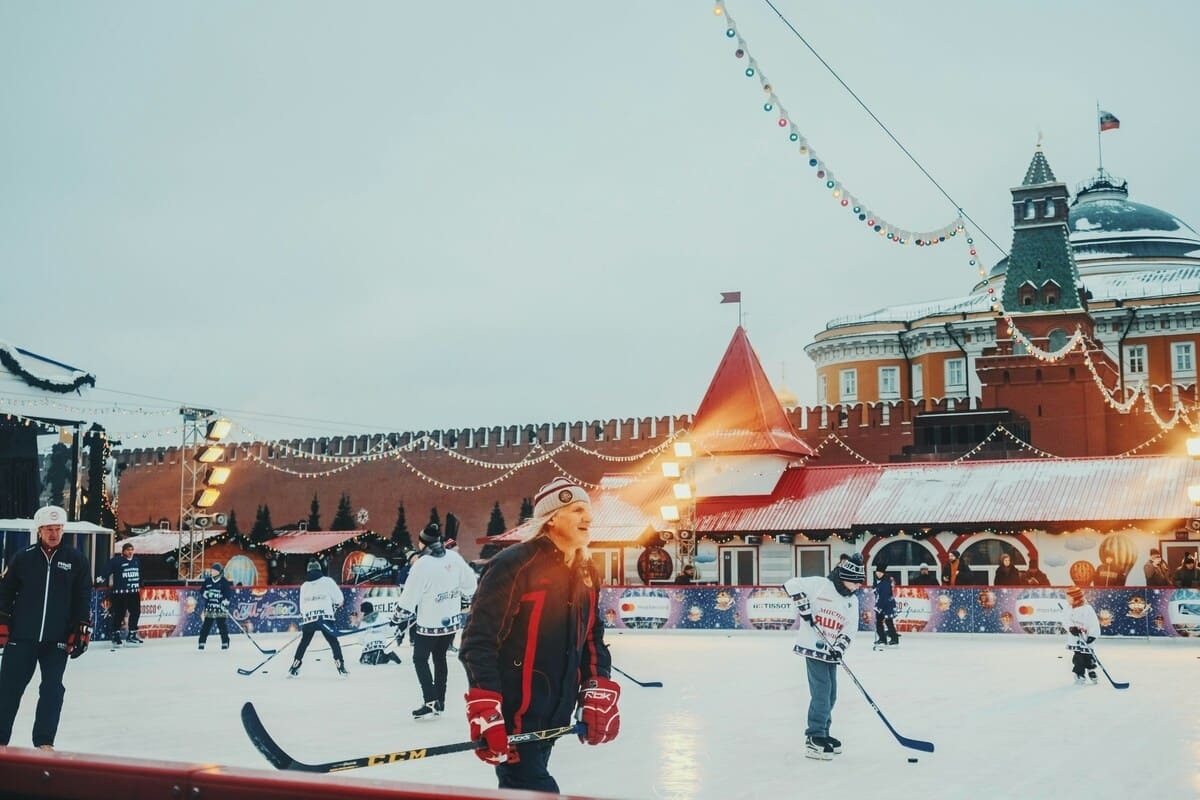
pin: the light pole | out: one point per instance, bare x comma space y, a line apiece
682, 512
198, 481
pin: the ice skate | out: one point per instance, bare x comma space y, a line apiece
341, 668
1092, 676
836, 744
294, 669
200, 646
818, 747
49, 747
224, 645
429, 710
135, 639
1080, 680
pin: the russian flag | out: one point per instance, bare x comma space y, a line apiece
1108, 121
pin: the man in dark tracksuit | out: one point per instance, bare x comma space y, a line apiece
534, 647
45, 616
126, 594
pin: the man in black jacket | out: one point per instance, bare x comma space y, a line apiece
534, 645
45, 616
125, 570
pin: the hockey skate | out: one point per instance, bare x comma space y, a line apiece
224, 645
116, 639
341, 668
1092, 678
429, 710
294, 669
1080, 680
836, 744
135, 639
818, 747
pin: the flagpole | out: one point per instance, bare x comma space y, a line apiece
1099, 141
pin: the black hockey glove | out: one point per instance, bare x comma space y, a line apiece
1073, 631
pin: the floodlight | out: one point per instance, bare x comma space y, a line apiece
211, 453
683, 449
1194, 493
218, 429
1193, 447
683, 491
206, 498
217, 476
670, 469
669, 513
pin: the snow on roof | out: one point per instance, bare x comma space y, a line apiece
309, 542
76, 526
161, 542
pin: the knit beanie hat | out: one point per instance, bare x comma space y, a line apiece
1075, 595
852, 569
431, 533
556, 494
215, 565
48, 515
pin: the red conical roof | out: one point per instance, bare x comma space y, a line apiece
739, 412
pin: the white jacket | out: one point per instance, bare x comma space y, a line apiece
436, 590
1082, 617
835, 614
320, 599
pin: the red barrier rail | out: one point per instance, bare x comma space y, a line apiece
26, 773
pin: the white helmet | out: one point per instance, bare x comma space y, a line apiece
48, 515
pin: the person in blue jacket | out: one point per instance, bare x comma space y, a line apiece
125, 572
45, 618
216, 593
885, 608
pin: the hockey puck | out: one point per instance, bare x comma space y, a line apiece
912, 761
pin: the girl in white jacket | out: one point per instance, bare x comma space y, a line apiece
320, 598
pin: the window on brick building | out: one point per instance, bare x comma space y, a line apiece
1135, 361
956, 376
918, 381
889, 383
1183, 361
848, 385
822, 390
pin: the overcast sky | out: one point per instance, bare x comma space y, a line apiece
323, 218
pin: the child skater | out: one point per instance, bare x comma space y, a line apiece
1084, 626
828, 610
885, 608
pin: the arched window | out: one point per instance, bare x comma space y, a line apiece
1050, 291
1057, 340
1030, 209
1049, 212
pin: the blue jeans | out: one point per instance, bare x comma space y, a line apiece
822, 690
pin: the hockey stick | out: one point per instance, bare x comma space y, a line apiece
263, 663
263, 742
912, 744
242, 628
1096, 658
647, 684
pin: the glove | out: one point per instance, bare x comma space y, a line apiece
598, 710
486, 719
838, 648
4, 619
1091, 639
803, 606
401, 617
1073, 631
78, 640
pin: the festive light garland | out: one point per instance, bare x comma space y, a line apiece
10, 357
837, 190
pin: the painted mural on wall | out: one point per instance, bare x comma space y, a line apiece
1033, 610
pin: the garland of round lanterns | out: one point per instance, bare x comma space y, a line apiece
837, 189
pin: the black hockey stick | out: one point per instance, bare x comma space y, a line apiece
263, 663
1096, 658
912, 744
648, 684
242, 628
263, 742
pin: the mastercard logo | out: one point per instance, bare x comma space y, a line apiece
628, 606
1024, 610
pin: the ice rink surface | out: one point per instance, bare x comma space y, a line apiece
729, 722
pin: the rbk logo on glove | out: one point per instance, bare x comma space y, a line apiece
598, 710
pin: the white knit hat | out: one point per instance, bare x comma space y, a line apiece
48, 515
556, 494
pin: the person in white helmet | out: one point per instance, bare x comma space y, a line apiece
45, 618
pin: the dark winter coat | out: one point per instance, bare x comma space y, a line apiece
1035, 577
1187, 577
962, 577
216, 594
535, 633
47, 596
928, 579
126, 574
885, 600
1007, 576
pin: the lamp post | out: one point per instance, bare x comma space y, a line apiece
199, 480
682, 513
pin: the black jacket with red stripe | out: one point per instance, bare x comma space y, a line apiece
535, 634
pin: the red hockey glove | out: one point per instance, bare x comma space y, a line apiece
486, 719
78, 640
4, 618
598, 710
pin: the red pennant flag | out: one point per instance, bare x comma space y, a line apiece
731, 297
1108, 121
